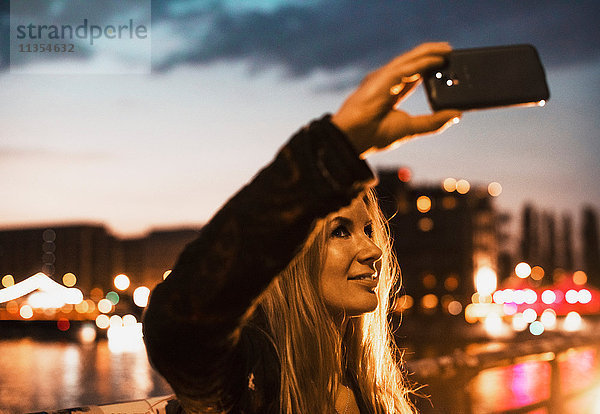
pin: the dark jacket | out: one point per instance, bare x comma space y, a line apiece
192, 315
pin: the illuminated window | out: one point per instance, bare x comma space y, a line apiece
429, 281
454, 308
429, 302
425, 224
423, 204
449, 202
451, 283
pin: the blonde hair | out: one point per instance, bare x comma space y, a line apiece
314, 357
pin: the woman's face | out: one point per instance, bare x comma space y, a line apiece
349, 274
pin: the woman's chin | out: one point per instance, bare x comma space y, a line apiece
365, 306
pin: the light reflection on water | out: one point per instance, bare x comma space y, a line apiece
36, 375
511, 387
505, 388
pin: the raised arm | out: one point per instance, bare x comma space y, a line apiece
192, 315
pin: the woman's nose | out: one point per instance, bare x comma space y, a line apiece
369, 252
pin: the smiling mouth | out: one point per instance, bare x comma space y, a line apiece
366, 276
369, 281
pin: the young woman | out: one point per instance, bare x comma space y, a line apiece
280, 305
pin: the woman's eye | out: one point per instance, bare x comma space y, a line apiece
340, 231
369, 230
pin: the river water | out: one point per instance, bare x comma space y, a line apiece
38, 375
43, 375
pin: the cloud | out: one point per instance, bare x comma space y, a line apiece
333, 35
337, 34
29, 154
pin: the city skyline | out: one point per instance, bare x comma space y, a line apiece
230, 84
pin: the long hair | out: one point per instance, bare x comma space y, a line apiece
314, 356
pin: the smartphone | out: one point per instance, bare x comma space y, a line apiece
488, 77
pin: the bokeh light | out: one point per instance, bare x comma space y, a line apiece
493, 325
129, 320
423, 204
87, 333
572, 322
12, 306
485, 280
529, 315
113, 297
82, 307
63, 324
510, 308
69, 279
102, 321
463, 186
429, 281
26, 312
449, 184
105, 306
91, 305
537, 273
425, 224
522, 270
49, 235
548, 297
530, 296
451, 283
404, 302
140, 296
96, 294
571, 296
404, 174
8, 280
429, 301
454, 308
584, 296
166, 274
494, 189
121, 282
536, 328
518, 323
115, 321
548, 319
579, 278
449, 202
498, 297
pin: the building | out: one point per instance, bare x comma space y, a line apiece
444, 238
90, 253
87, 251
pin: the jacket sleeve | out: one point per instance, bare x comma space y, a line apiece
192, 315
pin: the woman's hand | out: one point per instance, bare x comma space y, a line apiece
370, 117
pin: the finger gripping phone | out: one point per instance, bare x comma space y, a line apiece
488, 77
